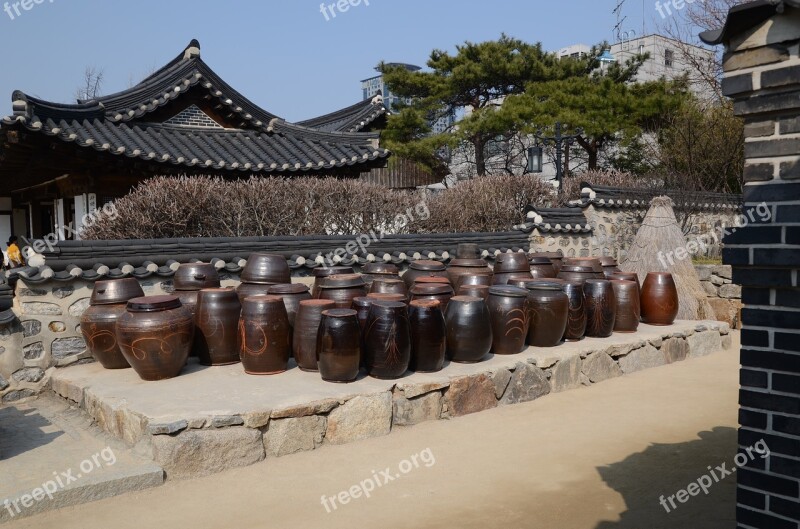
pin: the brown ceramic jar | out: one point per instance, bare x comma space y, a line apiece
628, 308
195, 276
245, 290
266, 269
469, 329
343, 289
659, 299
576, 319
548, 312
542, 268
428, 336
265, 335
321, 273
578, 273
507, 265
306, 325
384, 285
155, 335
338, 345
292, 294
601, 308
467, 267
216, 338
423, 268
478, 291
508, 308
441, 292
387, 341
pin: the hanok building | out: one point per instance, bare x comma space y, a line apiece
59, 162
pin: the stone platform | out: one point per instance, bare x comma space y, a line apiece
213, 418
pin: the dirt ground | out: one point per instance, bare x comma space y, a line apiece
593, 458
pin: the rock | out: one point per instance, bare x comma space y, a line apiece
194, 453
360, 418
33, 351
727, 342
411, 391
703, 272
198, 423
710, 289
314, 408
40, 308
67, 390
57, 326
730, 291
223, 421
64, 347
297, 434
599, 366
675, 350
657, 342
724, 271
113, 416
585, 380
545, 358
63, 292
704, 343
644, 358
28, 374
527, 383
31, 292
469, 395
717, 281
31, 328
18, 394
617, 350
501, 379
726, 310
256, 419
167, 428
407, 412
567, 374
79, 307
3, 383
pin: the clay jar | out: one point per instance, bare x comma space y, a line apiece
576, 319
423, 268
216, 339
385, 285
628, 308
338, 345
601, 308
578, 273
428, 336
556, 258
467, 267
343, 289
292, 294
321, 273
475, 279
441, 292
469, 329
541, 268
265, 335
245, 290
467, 250
592, 262
373, 271
387, 341
548, 311
266, 269
609, 265
510, 264
387, 297
478, 291
190, 278
306, 325
98, 322
508, 309
659, 299
155, 335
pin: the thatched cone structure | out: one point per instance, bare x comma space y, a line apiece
653, 250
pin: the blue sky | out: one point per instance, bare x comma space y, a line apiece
282, 54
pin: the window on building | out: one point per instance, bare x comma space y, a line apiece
669, 57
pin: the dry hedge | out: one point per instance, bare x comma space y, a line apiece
204, 206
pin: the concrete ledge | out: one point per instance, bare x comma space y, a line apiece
208, 410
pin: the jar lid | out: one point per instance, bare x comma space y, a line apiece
332, 270
153, 304
288, 288
339, 313
428, 266
543, 285
540, 260
431, 281
468, 263
343, 281
508, 291
429, 289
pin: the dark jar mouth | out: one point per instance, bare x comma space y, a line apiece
153, 304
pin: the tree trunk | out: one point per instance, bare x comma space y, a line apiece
591, 149
480, 155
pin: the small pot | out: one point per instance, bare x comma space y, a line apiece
216, 338
628, 305
506, 263
659, 299
508, 309
115, 291
266, 269
265, 335
428, 336
321, 273
423, 268
601, 308
306, 325
338, 345
195, 276
469, 329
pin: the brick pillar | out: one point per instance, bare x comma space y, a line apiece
762, 75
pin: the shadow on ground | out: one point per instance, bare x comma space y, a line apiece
23, 430
663, 469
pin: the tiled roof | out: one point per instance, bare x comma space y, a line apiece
555, 220
129, 124
351, 119
93, 260
745, 16
621, 197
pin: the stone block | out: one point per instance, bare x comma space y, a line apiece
704, 343
3, 383
294, 434
407, 412
725, 271
40, 308
566, 374
709, 288
18, 394
57, 326
63, 292
730, 291
224, 421
615, 351
727, 342
501, 378
717, 281
470, 395
64, 347
313, 408
411, 391
167, 428
256, 419
26, 292
194, 453
67, 390
643, 358
29, 374
675, 350
527, 383
726, 310
361, 417
31, 328
756, 57
599, 367
703, 272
